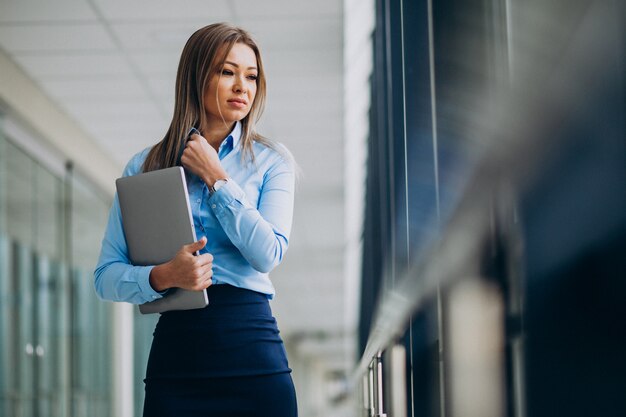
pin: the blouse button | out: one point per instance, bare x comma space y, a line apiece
213, 206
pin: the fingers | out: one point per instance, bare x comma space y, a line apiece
196, 246
203, 279
202, 260
205, 258
194, 136
195, 142
193, 272
195, 153
200, 273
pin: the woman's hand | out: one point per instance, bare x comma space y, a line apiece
202, 159
185, 270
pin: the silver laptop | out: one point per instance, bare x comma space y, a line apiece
157, 222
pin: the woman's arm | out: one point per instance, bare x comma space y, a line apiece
115, 278
261, 235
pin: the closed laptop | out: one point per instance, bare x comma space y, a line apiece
157, 221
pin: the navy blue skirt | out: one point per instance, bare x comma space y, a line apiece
224, 359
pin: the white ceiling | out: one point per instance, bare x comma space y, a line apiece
111, 65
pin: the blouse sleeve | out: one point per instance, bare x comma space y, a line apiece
115, 278
261, 234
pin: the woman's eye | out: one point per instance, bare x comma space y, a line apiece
227, 72
253, 77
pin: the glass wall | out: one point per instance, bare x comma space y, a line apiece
54, 333
90, 318
143, 328
496, 194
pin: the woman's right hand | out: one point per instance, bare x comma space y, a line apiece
185, 270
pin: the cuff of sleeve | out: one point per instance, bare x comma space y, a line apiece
226, 195
143, 278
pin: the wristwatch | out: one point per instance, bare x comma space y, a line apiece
217, 185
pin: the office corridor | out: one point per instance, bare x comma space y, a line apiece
460, 210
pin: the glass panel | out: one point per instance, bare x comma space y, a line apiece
3, 180
60, 325
52, 325
7, 331
48, 206
51, 338
25, 352
43, 348
19, 194
81, 346
91, 339
89, 216
91, 316
6, 292
47, 202
143, 327
103, 350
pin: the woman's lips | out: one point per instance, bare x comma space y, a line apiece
238, 104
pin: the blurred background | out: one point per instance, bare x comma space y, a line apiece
459, 232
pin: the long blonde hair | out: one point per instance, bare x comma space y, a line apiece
203, 55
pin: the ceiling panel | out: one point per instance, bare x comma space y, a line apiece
42, 38
166, 10
60, 66
288, 8
45, 10
154, 36
295, 33
305, 62
157, 62
120, 88
82, 107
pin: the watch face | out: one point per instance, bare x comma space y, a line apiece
218, 184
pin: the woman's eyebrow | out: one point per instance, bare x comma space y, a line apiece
237, 66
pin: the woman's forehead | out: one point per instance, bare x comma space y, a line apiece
241, 55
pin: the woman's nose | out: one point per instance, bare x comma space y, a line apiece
238, 87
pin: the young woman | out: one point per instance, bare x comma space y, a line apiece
228, 358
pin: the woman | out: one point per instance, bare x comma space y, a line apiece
226, 359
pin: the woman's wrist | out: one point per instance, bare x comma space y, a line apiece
211, 178
159, 277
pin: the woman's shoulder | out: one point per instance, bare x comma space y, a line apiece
273, 152
274, 158
135, 164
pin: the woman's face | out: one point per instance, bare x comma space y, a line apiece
232, 88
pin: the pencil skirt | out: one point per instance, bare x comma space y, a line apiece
226, 359
247, 396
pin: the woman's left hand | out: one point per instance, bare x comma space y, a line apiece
202, 159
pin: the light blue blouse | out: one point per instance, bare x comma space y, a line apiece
247, 223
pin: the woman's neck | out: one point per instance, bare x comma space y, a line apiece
215, 133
